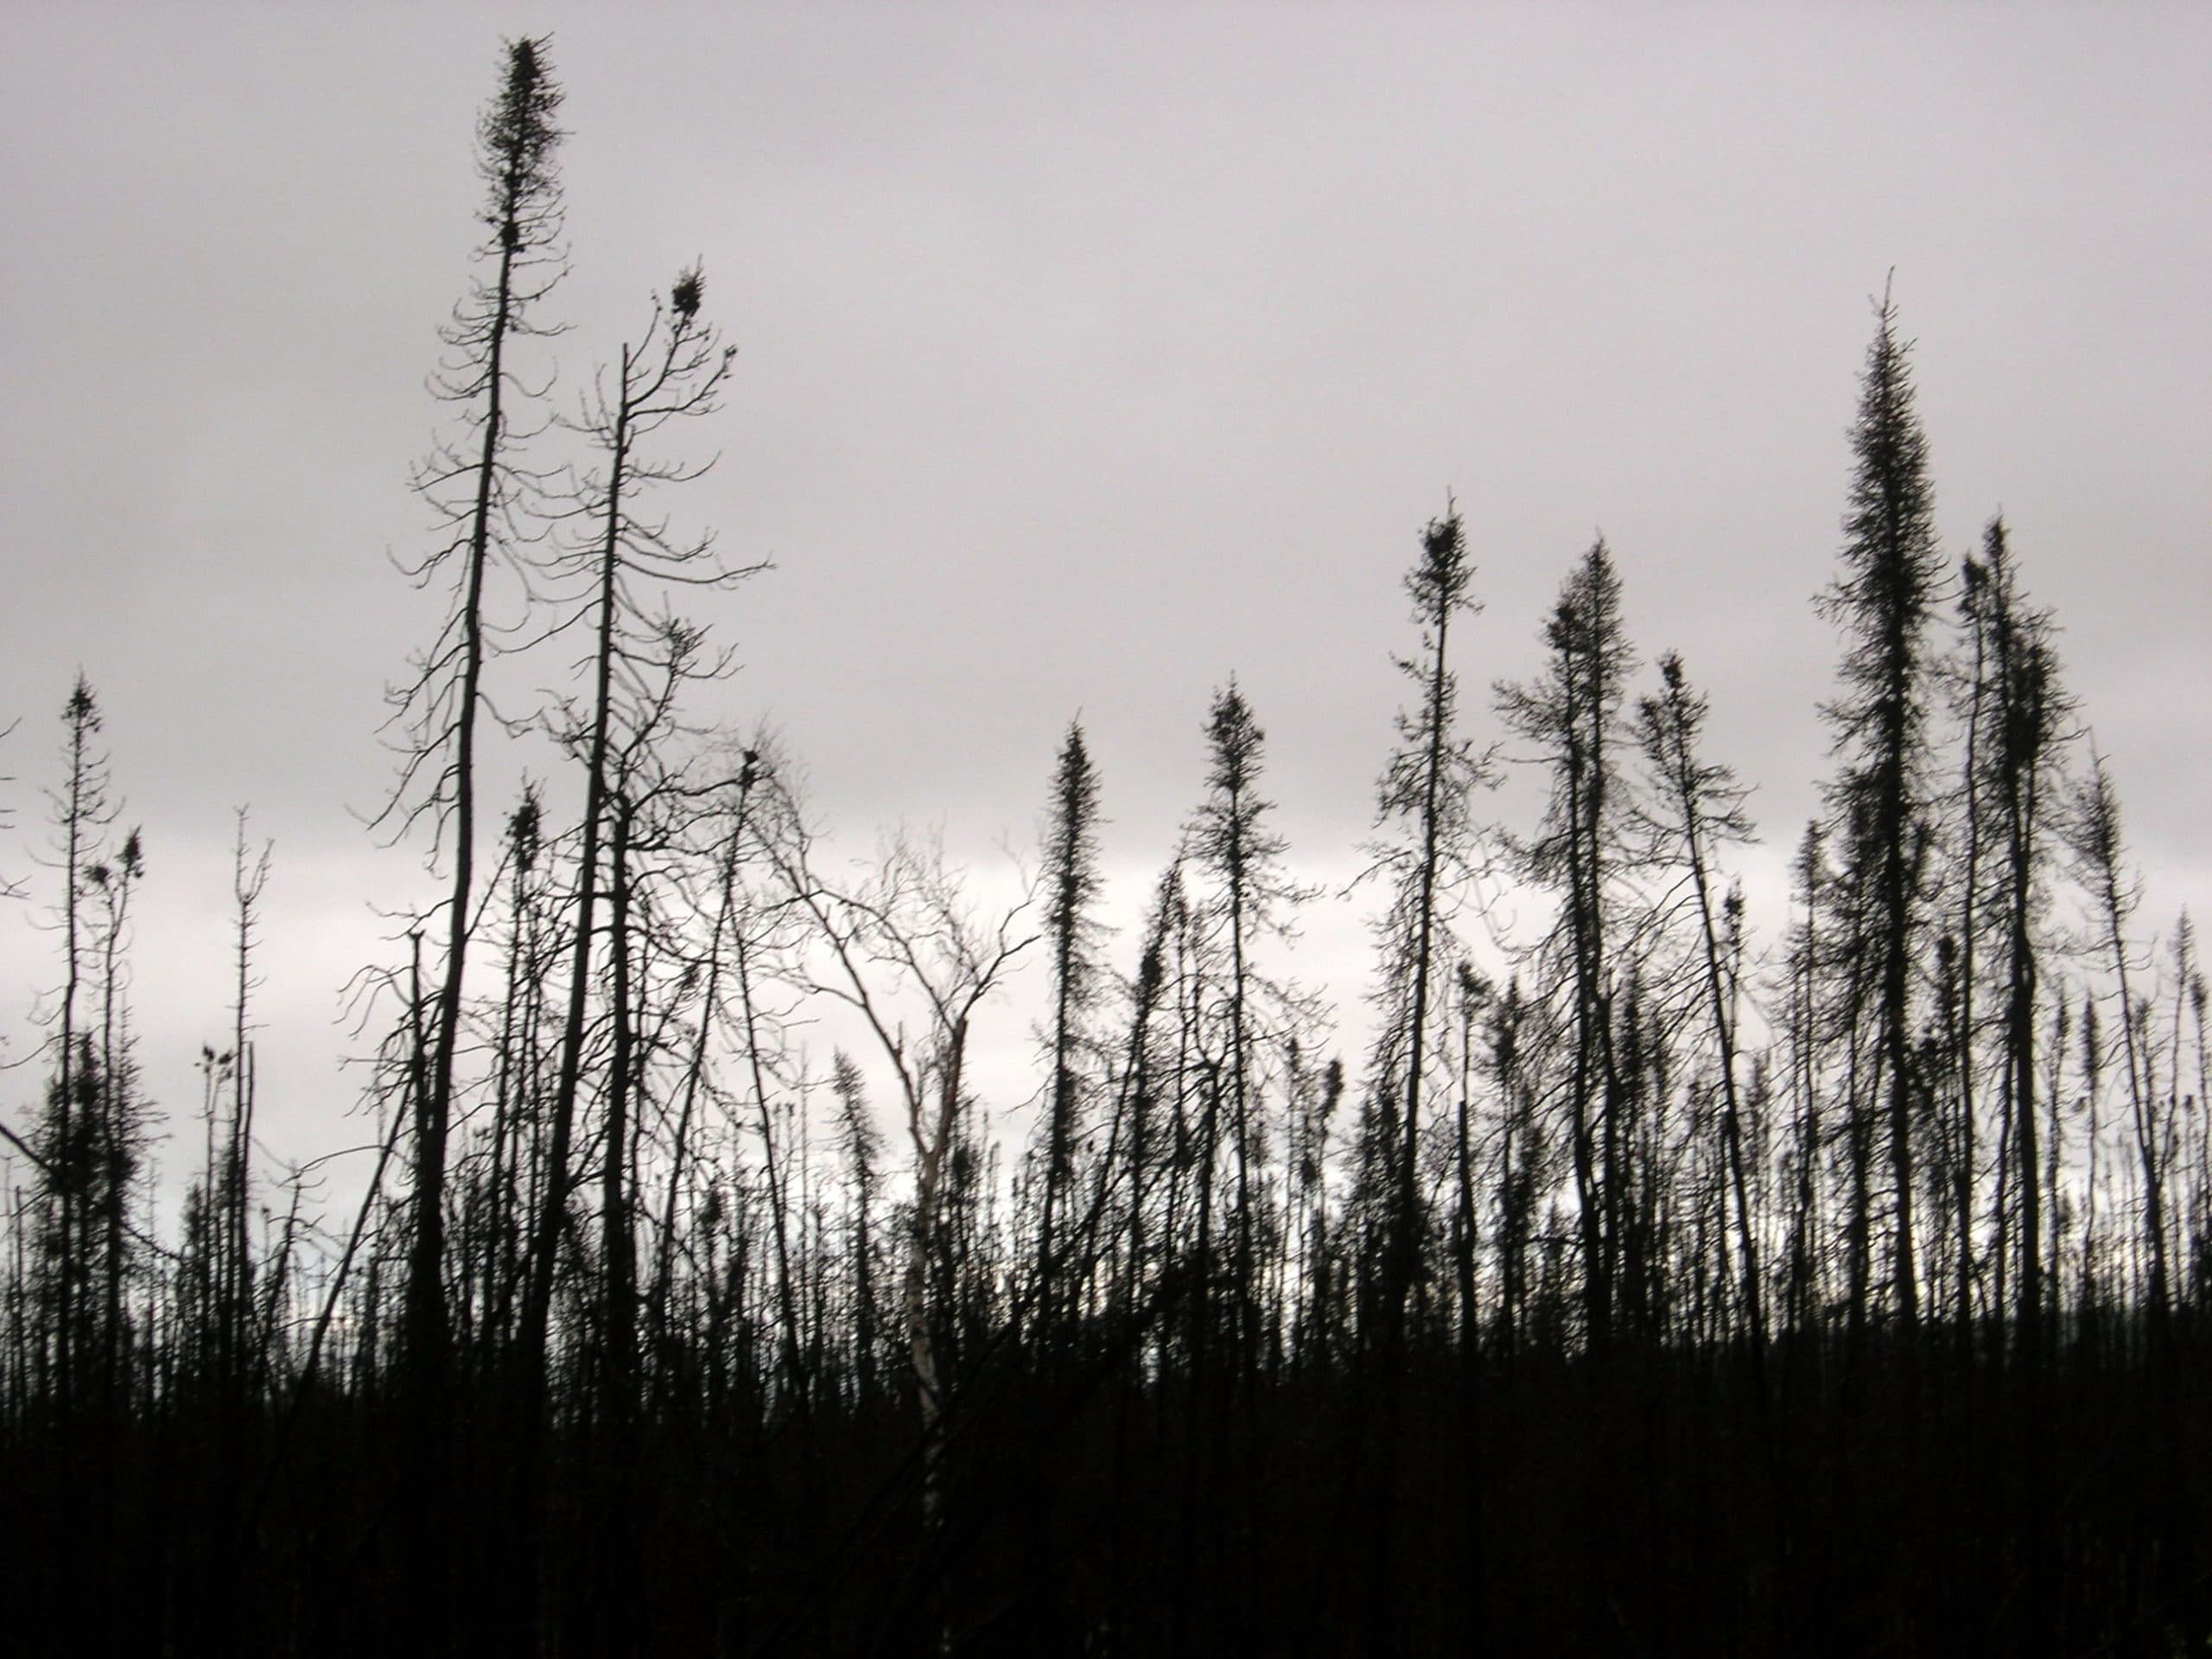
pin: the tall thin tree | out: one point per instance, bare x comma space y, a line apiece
1072, 883
474, 483
1883, 601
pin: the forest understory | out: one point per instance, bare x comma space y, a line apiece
1665, 1505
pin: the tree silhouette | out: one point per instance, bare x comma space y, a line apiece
477, 488
1664, 1277
1071, 883
1573, 719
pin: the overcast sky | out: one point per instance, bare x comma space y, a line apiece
1089, 355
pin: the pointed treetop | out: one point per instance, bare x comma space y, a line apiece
1439, 582
518, 136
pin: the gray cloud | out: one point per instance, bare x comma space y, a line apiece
1089, 356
